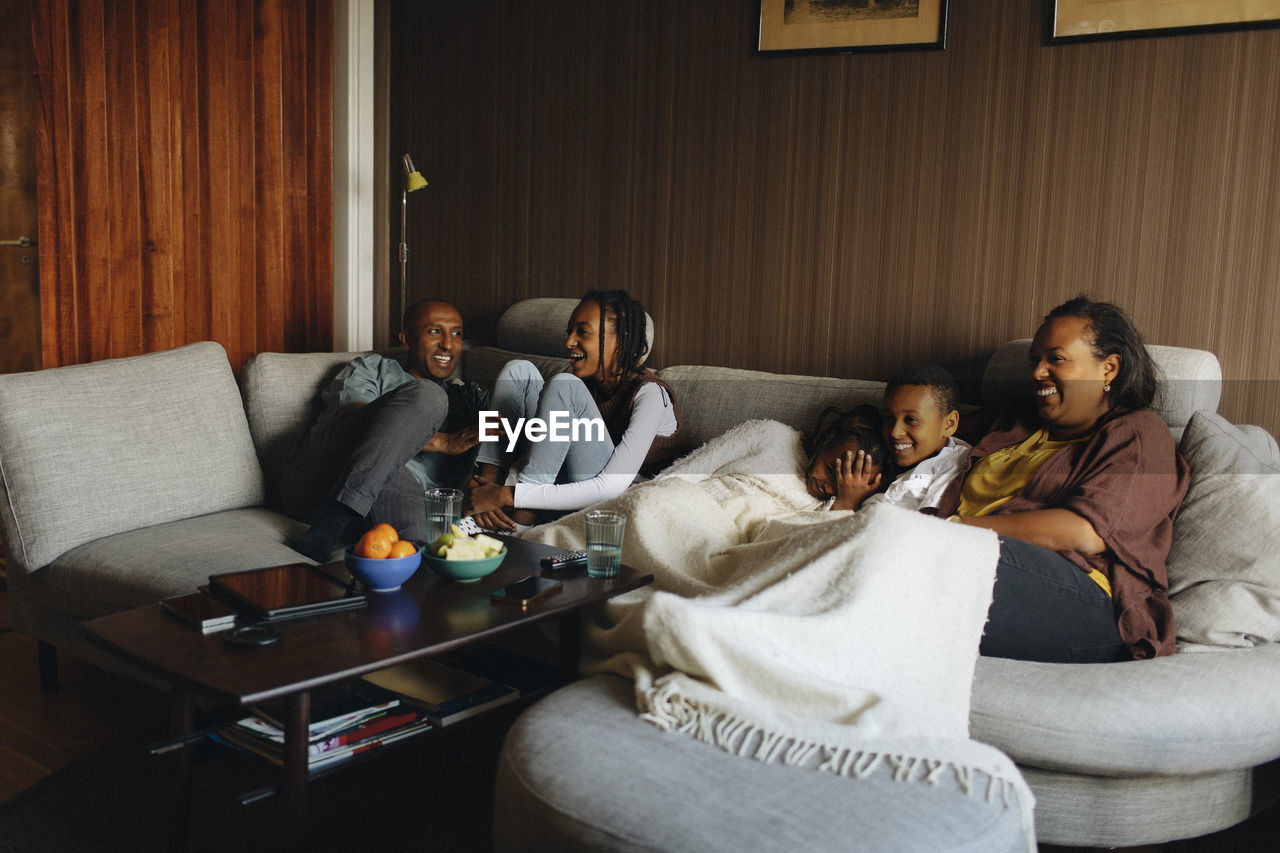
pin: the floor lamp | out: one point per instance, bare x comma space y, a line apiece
413, 181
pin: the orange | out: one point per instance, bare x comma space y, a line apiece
402, 548
377, 542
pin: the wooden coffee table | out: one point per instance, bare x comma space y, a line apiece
428, 616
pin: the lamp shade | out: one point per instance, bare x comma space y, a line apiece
413, 180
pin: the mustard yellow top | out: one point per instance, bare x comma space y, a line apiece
998, 477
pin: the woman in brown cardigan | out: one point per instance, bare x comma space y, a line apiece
1082, 485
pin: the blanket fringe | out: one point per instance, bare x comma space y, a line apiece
672, 711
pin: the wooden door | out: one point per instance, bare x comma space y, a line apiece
19, 267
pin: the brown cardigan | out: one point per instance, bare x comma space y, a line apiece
616, 412
1128, 481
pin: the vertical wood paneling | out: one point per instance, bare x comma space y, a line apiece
19, 272
185, 161
846, 214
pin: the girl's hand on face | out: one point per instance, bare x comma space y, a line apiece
856, 477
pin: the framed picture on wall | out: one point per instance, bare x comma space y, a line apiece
1076, 20
802, 26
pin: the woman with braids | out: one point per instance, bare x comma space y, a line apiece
1081, 482
606, 343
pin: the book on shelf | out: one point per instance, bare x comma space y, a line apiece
446, 694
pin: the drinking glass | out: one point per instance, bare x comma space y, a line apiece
444, 507
604, 542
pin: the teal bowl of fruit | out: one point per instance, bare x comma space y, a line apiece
463, 558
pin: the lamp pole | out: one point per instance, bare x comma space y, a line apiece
413, 181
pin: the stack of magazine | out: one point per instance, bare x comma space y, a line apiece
347, 721
382, 708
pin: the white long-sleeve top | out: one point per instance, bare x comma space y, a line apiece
652, 414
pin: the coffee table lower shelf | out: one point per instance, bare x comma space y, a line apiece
532, 678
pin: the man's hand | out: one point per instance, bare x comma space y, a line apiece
495, 520
487, 497
488, 502
854, 480
453, 443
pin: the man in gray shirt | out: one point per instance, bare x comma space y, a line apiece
389, 428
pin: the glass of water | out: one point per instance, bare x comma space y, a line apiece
444, 507
604, 542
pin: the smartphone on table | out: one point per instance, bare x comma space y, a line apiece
526, 591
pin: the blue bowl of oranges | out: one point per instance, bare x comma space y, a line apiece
381, 560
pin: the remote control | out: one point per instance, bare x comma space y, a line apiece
564, 560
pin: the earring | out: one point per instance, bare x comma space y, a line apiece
1106, 389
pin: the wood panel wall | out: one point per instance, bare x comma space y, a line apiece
185, 171
19, 279
846, 214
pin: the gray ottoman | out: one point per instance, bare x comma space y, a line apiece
580, 770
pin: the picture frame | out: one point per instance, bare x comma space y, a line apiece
847, 26
1087, 20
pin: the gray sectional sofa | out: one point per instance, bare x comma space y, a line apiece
128, 480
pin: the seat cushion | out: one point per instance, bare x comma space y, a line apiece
145, 565
1190, 713
1092, 811
96, 449
580, 770
140, 567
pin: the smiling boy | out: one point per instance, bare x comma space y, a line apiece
920, 417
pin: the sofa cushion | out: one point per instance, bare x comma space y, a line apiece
713, 400
539, 326
1224, 566
96, 449
581, 770
1179, 714
282, 399
144, 565
482, 364
1192, 379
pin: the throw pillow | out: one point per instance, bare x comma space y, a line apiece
1224, 565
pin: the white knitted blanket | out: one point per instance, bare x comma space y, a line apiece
784, 633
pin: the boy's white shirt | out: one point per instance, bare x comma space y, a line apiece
921, 487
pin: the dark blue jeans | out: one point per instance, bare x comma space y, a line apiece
1044, 608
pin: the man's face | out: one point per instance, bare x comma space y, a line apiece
433, 337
